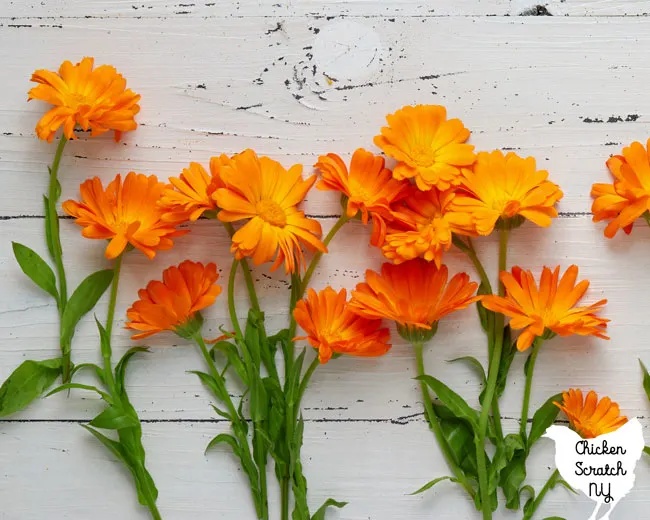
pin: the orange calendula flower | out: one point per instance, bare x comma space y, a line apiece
424, 225
429, 147
332, 328
173, 304
261, 191
93, 99
368, 187
628, 198
590, 417
124, 213
191, 195
415, 294
551, 307
507, 188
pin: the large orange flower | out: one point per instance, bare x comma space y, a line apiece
93, 99
429, 147
173, 303
505, 187
368, 187
590, 417
414, 294
262, 192
191, 195
125, 213
424, 226
551, 307
628, 198
332, 327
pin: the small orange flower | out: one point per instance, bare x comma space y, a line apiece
173, 303
429, 147
332, 327
262, 192
368, 187
506, 187
590, 417
125, 213
628, 198
414, 294
191, 195
93, 99
424, 226
549, 308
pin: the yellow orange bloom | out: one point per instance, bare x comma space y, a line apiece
172, 304
124, 213
551, 307
190, 196
424, 225
368, 186
414, 294
429, 147
590, 417
262, 192
93, 99
628, 198
332, 327
505, 187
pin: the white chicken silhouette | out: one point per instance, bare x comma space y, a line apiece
601, 489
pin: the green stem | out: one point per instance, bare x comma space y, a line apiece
231, 298
306, 378
107, 350
432, 418
285, 498
529, 383
153, 508
538, 500
248, 277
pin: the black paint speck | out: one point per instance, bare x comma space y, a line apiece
536, 10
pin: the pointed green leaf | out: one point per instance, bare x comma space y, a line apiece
432, 483
36, 269
543, 418
225, 438
293, 380
120, 368
99, 373
452, 400
232, 354
114, 418
69, 386
646, 450
512, 477
485, 316
113, 446
26, 383
215, 385
474, 364
48, 233
221, 413
330, 502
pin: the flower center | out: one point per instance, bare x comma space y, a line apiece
271, 212
423, 155
74, 100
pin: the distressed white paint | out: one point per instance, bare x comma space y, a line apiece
219, 78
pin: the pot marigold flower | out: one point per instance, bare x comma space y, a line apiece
429, 147
368, 188
414, 294
551, 307
509, 188
124, 213
93, 99
590, 417
173, 303
191, 195
628, 198
332, 328
262, 192
424, 226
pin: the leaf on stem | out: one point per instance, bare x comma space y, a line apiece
485, 316
48, 231
99, 373
120, 368
543, 418
432, 483
460, 438
330, 502
233, 357
225, 438
209, 381
69, 386
474, 364
456, 404
26, 383
114, 418
36, 269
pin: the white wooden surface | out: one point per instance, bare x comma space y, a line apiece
220, 76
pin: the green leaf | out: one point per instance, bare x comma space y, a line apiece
232, 354
83, 300
114, 418
507, 356
486, 316
452, 400
69, 386
512, 477
646, 450
221, 413
330, 502
225, 438
216, 386
120, 368
293, 381
543, 418
48, 234
36, 269
530, 490
26, 383
99, 373
113, 446
104, 340
460, 438
432, 483
554, 518
473, 363
646, 379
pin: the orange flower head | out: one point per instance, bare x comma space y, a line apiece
93, 99
507, 189
549, 309
332, 328
414, 294
429, 147
367, 188
590, 417
628, 197
174, 303
260, 191
424, 225
191, 195
124, 213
